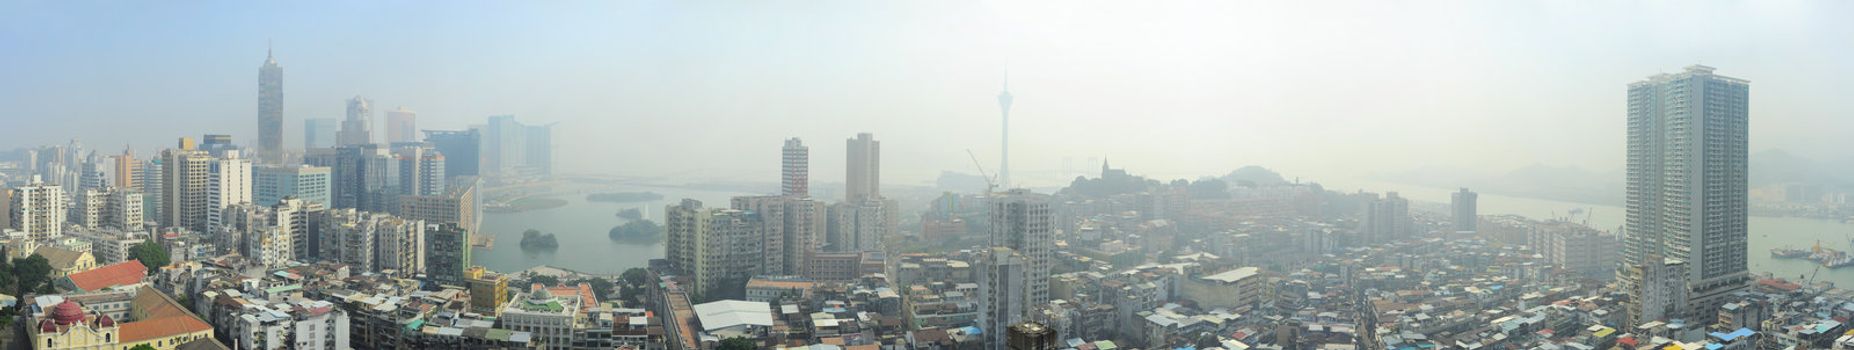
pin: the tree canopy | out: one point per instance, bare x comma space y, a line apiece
637, 231
33, 274
544, 280
737, 343
534, 239
151, 254
632, 285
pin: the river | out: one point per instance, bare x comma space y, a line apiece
581, 227
1767, 232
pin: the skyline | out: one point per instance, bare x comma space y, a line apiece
925, 78
602, 175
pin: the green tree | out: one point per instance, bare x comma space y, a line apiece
737, 343
151, 255
635, 276
143, 347
544, 280
632, 285
6, 275
33, 274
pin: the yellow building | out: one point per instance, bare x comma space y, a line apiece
68, 326
488, 290
1240, 289
157, 321
65, 262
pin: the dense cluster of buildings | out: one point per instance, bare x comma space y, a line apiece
362, 242
262, 244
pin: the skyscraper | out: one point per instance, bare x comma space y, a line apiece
768, 218
864, 175
513, 148
186, 177
122, 210
229, 183
1022, 221
38, 209
447, 253
540, 149
856, 226
719, 248
458, 205
127, 171
270, 110
795, 166
401, 125
87, 207
790, 226
1386, 219
361, 177
1004, 158
1686, 192
318, 133
220, 145
153, 190
462, 150
272, 183
417, 170
1002, 290
358, 128
1464, 206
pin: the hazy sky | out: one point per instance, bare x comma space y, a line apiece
1169, 88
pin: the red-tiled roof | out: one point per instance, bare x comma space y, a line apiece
586, 298
161, 328
161, 317
122, 273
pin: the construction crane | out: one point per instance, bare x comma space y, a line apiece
991, 183
1811, 280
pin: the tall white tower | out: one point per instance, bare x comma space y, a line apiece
795, 169
1688, 137
1022, 221
1004, 161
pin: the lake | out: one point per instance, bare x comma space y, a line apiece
581, 227
1767, 232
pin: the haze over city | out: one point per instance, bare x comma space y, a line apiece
1012, 175
660, 88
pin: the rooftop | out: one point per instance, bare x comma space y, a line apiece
1232, 276
59, 257
730, 313
118, 274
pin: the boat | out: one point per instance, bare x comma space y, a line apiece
1788, 253
1838, 261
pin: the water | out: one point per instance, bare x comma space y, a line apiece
581, 227
1767, 232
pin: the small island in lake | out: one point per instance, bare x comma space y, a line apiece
624, 197
638, 231
631, 214
534, 239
